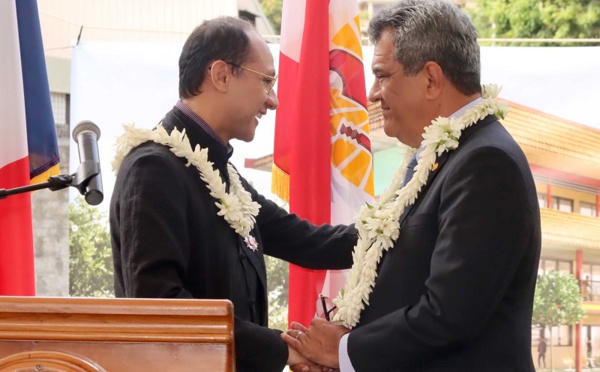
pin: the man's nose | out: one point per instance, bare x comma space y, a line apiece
374, 93
272, 100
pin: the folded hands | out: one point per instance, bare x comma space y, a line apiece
314, 348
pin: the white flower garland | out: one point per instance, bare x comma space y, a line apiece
379, 225
236, 207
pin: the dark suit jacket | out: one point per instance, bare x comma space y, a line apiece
169, 242
455, 294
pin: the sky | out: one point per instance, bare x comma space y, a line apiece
117, 83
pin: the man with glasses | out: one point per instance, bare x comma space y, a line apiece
267, 79
183, 227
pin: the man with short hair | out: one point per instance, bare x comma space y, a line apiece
446, 262
185, 224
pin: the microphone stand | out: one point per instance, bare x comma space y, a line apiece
85, 172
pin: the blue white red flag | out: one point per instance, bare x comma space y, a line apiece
28, 144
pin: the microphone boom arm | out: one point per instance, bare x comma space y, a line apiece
87, 179
78, 180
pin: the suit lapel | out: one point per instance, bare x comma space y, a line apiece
257, 260
442, 159
439, 163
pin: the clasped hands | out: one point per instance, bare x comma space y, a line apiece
315, 348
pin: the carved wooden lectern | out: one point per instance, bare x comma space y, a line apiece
40, 334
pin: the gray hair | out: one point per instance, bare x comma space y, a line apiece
432, 30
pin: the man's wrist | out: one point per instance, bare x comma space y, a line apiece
345, 364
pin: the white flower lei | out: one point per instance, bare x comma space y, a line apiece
236, 207
379, 225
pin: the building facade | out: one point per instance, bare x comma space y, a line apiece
564, 157
565, 160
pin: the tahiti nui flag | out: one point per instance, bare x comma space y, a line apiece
322, 159
28, 145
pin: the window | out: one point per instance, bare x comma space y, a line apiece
59, 107
535, 336
590, 337
561, 335
562, 204
547, 265
542, 200
590, 277
587, 209
565, 266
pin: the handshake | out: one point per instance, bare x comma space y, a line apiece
315, 348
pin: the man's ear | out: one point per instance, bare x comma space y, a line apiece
435, 79
219, 74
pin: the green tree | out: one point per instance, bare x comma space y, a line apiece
557, 302
277, 287
272, 9
537, 19
90, 255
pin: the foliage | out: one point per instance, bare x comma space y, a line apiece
90, 255
272, 9
537, 19
277, 287
557, 300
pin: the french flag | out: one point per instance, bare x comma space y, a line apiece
28, 143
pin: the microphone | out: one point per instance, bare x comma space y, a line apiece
88, 177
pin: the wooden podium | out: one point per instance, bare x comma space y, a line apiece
40, 334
